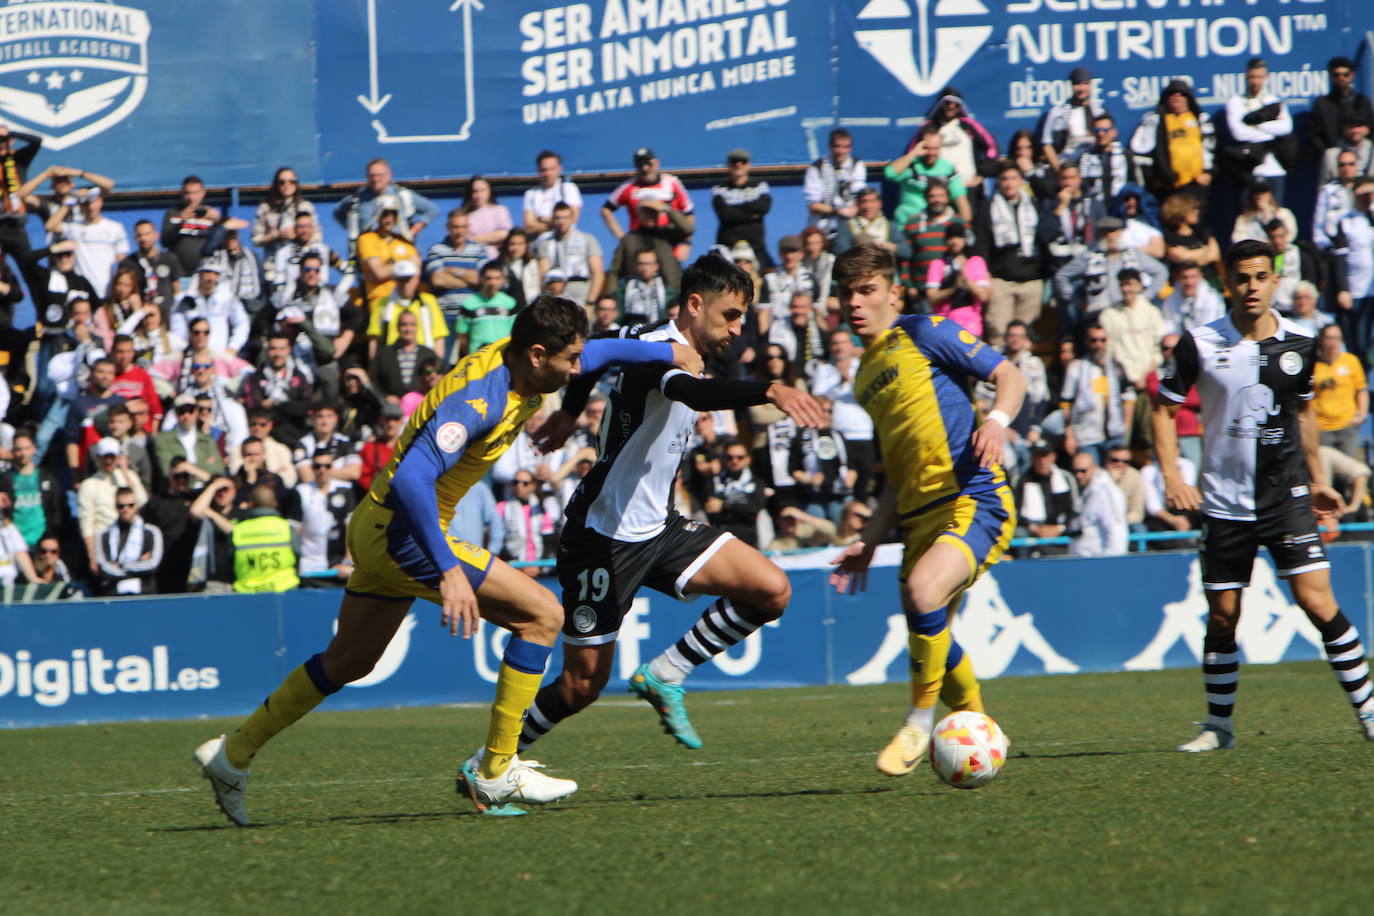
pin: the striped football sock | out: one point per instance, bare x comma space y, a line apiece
724, 624
1346, 655
1221, 676
548, 709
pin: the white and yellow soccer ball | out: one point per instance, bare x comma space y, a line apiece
967, 749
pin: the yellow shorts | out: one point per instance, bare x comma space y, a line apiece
981, 525
388, 561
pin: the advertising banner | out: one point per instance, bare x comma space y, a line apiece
147, 91
181, 657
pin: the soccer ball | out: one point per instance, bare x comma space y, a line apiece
967, 749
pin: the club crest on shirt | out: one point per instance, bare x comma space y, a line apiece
1290, 362
451, 437
584, 619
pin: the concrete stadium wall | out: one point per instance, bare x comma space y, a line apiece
191, 656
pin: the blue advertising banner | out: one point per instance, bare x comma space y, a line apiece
200, 656
147, 91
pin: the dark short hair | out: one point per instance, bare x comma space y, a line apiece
546, 154
278, 336
1007, 165
104, 359
1274, 225
260, 413
1127, 273
840, 133
322, 404
1340, 62
712, 275
1105, 116
123, 491
1181, 266
144, 222
862, 261
1017, 323
562, 205
551, 322
122, 338
1255, 63
491, 266
926, 130
192, 179
1244, 250
118, 410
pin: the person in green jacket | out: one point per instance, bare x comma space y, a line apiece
912, 171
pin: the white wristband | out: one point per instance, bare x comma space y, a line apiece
998, 416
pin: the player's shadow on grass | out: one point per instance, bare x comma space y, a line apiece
798, 793
1068, 755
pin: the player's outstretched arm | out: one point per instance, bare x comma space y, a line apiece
850, 575
1326, 501
605, 351
990, 438
724, 394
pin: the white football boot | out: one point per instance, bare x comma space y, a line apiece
521, 782
1210, 738
229, 783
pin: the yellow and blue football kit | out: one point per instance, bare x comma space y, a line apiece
914, 382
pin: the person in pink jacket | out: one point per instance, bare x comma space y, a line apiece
958, 284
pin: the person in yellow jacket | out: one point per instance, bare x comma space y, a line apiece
266, 547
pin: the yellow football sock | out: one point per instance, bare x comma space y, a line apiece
296, 696
928, 654
961, 689
515, 692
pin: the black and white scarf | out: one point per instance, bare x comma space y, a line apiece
127, 555
649, 299
1015, 226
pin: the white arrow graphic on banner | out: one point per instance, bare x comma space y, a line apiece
374, 104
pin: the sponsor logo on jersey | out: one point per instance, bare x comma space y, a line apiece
74, 68
885, 378
584, 619
451, 437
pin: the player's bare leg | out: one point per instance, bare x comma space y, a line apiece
1344, 651
934, 583
1220, 672
752, 592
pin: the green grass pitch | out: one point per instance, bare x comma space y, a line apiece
781, 812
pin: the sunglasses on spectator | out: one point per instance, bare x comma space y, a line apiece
202, 365
1103, 130
736, 457
310, 270
1080, 470
1111, 460
1097, 340
126, 505
48, 550
286, 181
256, 423
524, 483
200, 330
323, 466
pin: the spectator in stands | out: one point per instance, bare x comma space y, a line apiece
361, 403
30, 494
266, 547
326, 506
188, 225
606, 315
487, 315
284, 264
1193, 302
576, 253
1025, 152
831, 184
1106, 166
488, 222
252, 472
216, 303
476, 521
870, 224
432, 328
1355, 141
654, 199
706, 458
819, 464
1101, 529
1335, 199
396, 368
957, 284
95, 498
1158, 515
553, 189
128, 551
1141, 230
1174, 144
819, 263
1011, 236
1075, 215
1305, 311
964, 141
59, 287
64, 193
1188, 419
913, 171
1098, 399
1045, 499
83, 410
1351, 477
121, 304
521, 266
276, 454
451, 265
14, 166
852, 523
1295, 262
1260, 209
324, 436
1342, 394
131, 380
159, 272
1127, 480
383, 247
736, 497
100, 242
279, 386
800, 530
784, 282
924, 240
212, 561
1352, 262
169, 508
800, 337
1134, 327
218, 411
68, 372
376, 452
834, 380
361, 211
186, 441
740, 205
48, 567
1068, 126
242, 273
1331, 110
1187, 239
154, 343
645, 297
1260, 127
276, 222
1017, 349
531, 522
119, 422
15, 560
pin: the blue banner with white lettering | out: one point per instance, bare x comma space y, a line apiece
147, 91
187, 656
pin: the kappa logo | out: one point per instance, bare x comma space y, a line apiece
923, 59
71, 69
479, 405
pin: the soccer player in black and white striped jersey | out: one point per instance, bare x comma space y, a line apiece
1262, 481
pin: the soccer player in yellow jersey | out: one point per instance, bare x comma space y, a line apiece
944, 485
401, 552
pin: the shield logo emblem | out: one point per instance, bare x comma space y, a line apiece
70, 69
924, 58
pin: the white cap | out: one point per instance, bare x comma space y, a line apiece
406, 269
107, 446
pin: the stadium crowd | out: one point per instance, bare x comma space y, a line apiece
220, 383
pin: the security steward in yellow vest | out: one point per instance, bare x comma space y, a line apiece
265, 548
